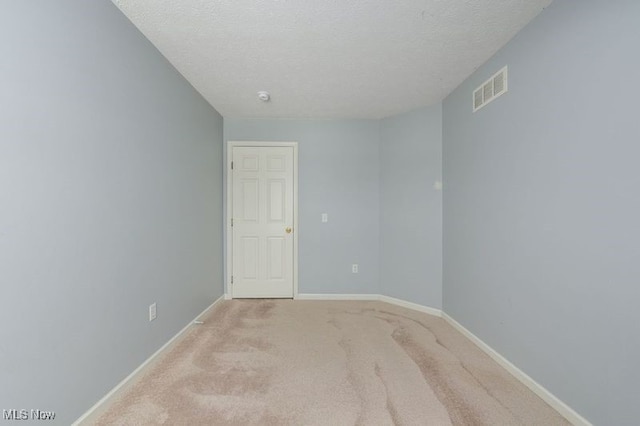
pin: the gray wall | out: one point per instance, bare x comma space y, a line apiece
410, 207
338, 174
110, 199
541, 207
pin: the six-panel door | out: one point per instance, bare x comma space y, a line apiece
262, 222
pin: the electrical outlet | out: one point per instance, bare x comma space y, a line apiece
354, 268
152, 312
325, 217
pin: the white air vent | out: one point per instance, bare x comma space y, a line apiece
490, 89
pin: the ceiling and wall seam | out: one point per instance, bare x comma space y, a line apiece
331, 59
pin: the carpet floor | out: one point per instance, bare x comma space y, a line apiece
285, 362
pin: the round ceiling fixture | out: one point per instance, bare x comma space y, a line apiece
264, 96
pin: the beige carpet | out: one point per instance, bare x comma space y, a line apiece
285, 362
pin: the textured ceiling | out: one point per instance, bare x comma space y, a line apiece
327, 58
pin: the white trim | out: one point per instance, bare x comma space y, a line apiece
562, 408
411, 305
312, 296
100, 407
372, 297
229, 234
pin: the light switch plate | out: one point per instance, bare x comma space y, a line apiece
152, 312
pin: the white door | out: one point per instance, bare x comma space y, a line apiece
262, 222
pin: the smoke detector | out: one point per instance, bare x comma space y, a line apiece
264, 96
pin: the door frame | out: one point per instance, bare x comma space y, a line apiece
229, 201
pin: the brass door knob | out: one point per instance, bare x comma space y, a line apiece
288, 230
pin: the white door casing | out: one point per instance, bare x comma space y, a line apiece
262, 234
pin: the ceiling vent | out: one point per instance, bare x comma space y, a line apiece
490, 89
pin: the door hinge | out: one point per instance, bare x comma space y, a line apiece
232, 165
231, 279
232, 222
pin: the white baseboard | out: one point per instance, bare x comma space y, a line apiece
411, 305
562, 408
311, 296
376, 297
99, 407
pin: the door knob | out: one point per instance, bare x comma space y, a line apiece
288, 230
